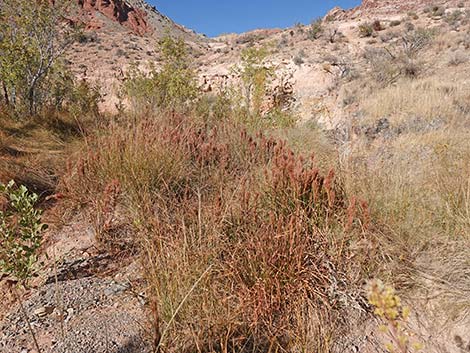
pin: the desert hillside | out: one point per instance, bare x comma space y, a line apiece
302, 189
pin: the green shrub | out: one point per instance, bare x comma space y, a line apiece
173, 87
366, 30
315, 30
67, 94
20, 231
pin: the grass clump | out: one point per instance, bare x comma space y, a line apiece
425, 99
240, 237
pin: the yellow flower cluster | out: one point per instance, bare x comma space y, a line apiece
388, 306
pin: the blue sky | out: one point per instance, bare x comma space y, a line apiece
214, 17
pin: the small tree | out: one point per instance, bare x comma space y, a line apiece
177, 78
255, 75
33, 36
171, 87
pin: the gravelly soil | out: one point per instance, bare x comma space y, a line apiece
77, 316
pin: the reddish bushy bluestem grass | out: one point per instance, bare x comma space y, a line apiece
238, 234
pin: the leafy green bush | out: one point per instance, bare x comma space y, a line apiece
172, 87
20, 231
67, 94
255, 75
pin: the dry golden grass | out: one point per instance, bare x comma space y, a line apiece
418, 185
427, 100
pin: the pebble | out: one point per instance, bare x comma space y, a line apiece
44, 311
116, 288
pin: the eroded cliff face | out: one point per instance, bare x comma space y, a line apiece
120, 11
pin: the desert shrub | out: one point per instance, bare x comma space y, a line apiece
409, 26
366, 30
250, 38
68, 95
395, 23
279, 117
400, 59
140, 89
86, 37
335, 35
377, 26
315, 30
20, 231
388, 36
437, 11
382, 65
415, 41
173, 87
413, 15
120, 52
457, 58
453, 18
218, 106
240, 237
299, 27
298, 60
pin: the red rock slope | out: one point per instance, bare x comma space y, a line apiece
120, 11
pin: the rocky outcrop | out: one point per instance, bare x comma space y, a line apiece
120, 11
335, 14
395, 6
